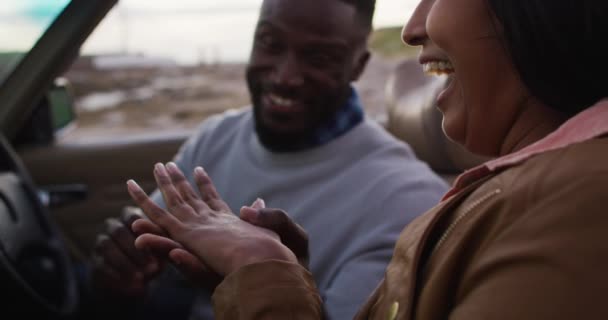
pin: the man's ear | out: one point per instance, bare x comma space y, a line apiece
360, 65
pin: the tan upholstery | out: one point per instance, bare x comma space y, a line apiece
413, 118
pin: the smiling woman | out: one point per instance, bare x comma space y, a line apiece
514, 237
21, 25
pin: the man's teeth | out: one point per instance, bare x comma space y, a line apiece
438, 68
284, 102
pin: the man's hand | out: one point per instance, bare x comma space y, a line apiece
205, 227
292, 235
187, 263
118, 268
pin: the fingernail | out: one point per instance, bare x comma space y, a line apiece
261, 202
133, 186
159, 167
199, 171
172, 166
249, 214
139, 244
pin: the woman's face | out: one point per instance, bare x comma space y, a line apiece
484, 95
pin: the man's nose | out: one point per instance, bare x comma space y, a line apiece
288, 72
414, 31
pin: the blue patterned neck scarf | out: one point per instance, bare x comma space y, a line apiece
346, 118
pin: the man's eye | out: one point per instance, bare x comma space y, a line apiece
322, 59
267, 42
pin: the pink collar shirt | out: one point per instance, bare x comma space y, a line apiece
590, 123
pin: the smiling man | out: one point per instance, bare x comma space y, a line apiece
301, 68
305, 146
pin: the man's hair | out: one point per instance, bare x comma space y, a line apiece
365, 10
559, 48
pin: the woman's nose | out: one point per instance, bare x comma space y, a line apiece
414, 31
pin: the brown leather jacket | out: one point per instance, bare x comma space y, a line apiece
530, 242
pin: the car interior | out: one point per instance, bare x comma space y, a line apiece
55, 195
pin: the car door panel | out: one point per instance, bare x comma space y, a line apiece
101, 168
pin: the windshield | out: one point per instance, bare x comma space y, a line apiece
22, 22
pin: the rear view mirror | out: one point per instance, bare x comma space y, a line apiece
54, 114
61, 103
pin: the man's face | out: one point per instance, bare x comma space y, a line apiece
305, 55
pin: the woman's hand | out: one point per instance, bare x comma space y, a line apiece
292, 236
205, 227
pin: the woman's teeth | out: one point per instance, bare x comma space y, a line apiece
438, 68
284, 102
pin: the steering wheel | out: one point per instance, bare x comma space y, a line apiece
35, 268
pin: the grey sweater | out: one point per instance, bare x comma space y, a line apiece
353, 195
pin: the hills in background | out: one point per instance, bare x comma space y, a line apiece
387, 42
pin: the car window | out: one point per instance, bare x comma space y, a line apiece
22, 22
156, 65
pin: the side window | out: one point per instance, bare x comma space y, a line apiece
22, 24
152, 66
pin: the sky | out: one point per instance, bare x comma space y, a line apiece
188, 31
22, 21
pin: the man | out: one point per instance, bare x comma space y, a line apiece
306, 147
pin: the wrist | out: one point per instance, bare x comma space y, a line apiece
271, 251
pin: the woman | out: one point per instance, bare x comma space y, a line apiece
520, 237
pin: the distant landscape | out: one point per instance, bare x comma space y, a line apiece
124, 94
387, 42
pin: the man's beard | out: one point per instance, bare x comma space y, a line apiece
279, 141
322, 111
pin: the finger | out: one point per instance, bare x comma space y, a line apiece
160, 217
131, 214
258, 204
102, 269
249, 214
124, 240
170, 194
187, 262
194, 268
292, 235
207, 190
114, 257
159, 245
142, 226
183, 186
106, 277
